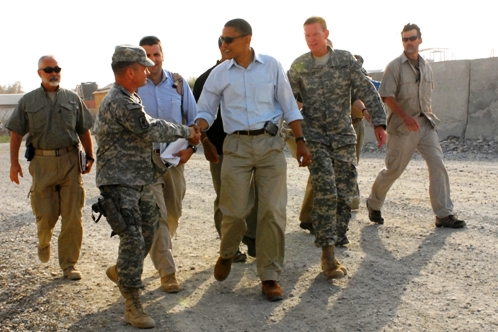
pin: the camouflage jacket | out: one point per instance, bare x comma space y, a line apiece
326, 93
124, 134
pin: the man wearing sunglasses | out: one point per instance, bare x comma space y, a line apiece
406, 88
325, 78
56, 120
255, 95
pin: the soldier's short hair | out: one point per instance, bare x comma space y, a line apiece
150, 41
316, 19
119, 68
240, 25
410, 27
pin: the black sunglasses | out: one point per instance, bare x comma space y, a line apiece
50, 70
229, 40
412, 38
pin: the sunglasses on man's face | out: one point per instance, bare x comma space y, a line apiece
229, 40
50, 70
412, 38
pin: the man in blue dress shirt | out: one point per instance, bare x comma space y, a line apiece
254, 94
162, 101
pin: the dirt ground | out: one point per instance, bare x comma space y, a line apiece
405, 275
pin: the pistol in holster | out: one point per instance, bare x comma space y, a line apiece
105, 206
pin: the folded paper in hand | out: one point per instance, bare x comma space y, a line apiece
168, 150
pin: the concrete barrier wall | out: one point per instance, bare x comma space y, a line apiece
465, 98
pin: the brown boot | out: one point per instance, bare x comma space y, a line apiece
222, 268
329, 263
134, 313
44, 254
112, 273
169, 284
341, 267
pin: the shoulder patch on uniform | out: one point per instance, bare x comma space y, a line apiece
132, 106
144, 124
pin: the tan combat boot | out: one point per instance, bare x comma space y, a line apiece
112, 273
134, 313
330, 265
169, 283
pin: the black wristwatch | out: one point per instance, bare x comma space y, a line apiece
301, 138
193, 147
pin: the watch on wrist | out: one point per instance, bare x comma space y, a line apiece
193, 147
301, 138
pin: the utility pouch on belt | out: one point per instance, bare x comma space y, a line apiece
30, 152
271, 128
106, 207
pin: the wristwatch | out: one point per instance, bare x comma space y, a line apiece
301, 138
193, 147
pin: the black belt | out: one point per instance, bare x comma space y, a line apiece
355, 120
157, 150
250, 132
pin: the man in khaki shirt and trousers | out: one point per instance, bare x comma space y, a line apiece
55, 120
406, 88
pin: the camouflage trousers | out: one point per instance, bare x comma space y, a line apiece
333, 178
138, 207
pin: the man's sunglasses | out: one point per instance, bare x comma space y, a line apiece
50, 70
412, 38
229, 40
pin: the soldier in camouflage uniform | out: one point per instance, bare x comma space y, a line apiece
125, 169
324, 78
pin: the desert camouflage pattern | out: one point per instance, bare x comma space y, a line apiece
138, 207
326, 94
333, 185
124, 135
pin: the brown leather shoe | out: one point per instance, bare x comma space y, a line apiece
222, 268
169, 284
272, 290
71, 273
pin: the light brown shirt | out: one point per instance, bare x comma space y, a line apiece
412, 91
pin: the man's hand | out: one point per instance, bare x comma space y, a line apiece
411, 123
380, 135
210, 151
195, 135
89, 164
15, 171
303, 155
184, 155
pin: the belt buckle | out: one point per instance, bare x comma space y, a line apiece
57, 152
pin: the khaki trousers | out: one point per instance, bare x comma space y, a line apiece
399, 152
260, 157
57, 190
251, 219
169, 191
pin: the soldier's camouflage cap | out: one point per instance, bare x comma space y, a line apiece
131, 53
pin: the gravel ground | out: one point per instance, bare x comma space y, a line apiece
405, 275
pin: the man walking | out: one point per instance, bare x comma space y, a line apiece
406, 88
56, 120
324, 78
254, 94
162, 100
125, 170
212, 144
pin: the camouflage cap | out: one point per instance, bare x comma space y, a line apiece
131, 53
